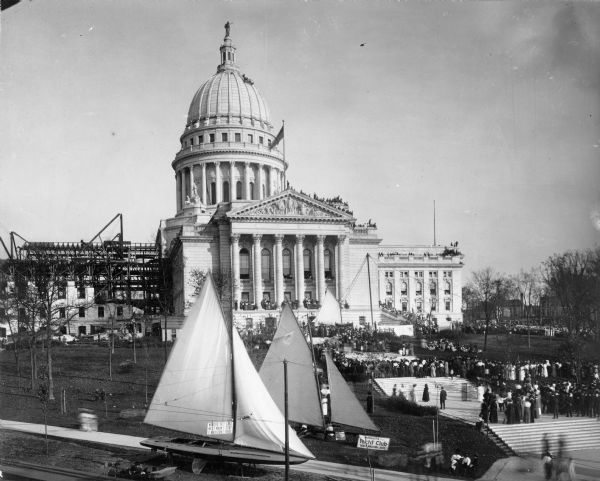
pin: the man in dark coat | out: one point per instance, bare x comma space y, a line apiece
443, 396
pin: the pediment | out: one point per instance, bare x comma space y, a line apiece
289, 204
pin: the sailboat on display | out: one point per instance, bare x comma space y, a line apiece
304, 393
210, 388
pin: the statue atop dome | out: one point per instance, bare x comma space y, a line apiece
227, 29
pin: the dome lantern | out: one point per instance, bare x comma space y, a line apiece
227, 52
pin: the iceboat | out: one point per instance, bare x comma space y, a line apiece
304, 394
209, 388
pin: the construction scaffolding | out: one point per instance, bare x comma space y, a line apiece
119, 271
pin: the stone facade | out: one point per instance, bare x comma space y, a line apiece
268, 243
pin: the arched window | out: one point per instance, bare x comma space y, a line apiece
389, 289
213, 192
307, 264
265, 264
244, 264
226, 191
433, 305
287, 263
418, 289
403, 289
251, 193
238, 190
327, 262
432, 288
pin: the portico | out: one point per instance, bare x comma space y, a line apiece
286, 248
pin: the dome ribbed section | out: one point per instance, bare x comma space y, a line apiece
230, 96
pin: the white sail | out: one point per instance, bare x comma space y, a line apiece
304, 398
260, 423
196, 394
345, 408
330, 312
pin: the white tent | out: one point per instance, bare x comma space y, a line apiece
330, 312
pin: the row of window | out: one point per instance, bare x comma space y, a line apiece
419, 305
224, 137
389, 288
267, 264
287, 297
62, 312
404, 274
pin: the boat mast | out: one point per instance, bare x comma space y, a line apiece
286, 418
314, 367
233, 393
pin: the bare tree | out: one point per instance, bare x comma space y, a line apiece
36, 296
573, 279
529, 288
489, 289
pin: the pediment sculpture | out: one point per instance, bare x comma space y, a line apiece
289, 206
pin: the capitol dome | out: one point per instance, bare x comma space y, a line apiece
229, 96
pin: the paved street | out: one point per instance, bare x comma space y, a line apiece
509, 469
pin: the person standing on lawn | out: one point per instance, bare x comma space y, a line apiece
443, 396
426, 394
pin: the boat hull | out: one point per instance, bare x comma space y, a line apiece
218, 451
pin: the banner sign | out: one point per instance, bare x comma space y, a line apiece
215, 428
372, 442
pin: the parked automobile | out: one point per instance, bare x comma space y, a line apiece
65, 338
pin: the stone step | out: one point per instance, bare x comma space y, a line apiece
527, 438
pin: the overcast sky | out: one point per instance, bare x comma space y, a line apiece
490, 109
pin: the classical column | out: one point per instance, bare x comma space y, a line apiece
219, 186
203, 185
279, 294
340, 267
235, 260
426, 297
271, 182
247, 193
191, 182
182, 190
261, 181
178, 190
299, 269
231, 181
257, 270
321, 286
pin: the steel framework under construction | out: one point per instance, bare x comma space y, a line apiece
119, 271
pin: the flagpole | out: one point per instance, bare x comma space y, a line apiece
284, 162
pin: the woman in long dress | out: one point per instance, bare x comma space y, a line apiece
426, 394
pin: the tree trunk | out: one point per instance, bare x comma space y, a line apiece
485, 334
16, 350
49, 362
32, 364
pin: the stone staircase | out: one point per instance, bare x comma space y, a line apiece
578, 433
462, 395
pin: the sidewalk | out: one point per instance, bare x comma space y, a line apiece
587, 468
508, 469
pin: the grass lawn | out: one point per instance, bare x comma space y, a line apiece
80, 371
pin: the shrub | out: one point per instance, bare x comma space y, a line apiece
126, 366
405, 406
